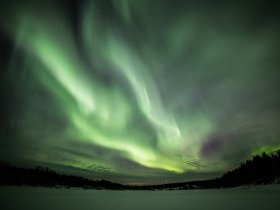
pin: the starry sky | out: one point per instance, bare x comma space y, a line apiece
139, 91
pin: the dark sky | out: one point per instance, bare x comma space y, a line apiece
139, 91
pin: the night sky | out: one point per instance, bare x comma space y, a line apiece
139, 91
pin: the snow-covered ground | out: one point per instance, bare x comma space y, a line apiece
260, 197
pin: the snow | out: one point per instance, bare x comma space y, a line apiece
260, 197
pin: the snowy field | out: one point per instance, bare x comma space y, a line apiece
25, 198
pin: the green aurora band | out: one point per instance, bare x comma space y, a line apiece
142, 88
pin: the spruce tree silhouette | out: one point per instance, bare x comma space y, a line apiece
261, 169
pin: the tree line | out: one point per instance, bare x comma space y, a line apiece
261, 169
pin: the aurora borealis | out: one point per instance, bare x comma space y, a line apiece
139, 91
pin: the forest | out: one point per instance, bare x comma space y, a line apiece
261, 169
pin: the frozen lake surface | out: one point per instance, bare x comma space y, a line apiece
261, 197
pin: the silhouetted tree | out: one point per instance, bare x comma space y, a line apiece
261, 169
